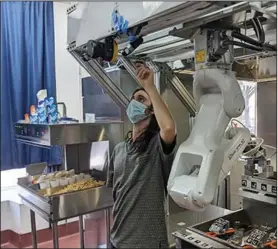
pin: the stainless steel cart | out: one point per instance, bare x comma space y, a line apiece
76, 140
61, 207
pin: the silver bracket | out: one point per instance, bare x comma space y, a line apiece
157, 74
206, 44
178, 88
71, 9
71, 46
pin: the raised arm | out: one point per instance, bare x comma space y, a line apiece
163, 116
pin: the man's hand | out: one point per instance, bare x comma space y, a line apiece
144, 76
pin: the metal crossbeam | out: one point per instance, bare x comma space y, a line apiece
98, 73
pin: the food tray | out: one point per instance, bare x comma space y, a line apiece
48, 192
64, 206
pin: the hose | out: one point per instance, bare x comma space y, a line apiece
261, 30
253, 42
255, 27
243, 45
258, 28
270, 47
246, 39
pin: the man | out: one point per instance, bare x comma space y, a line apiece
139, 169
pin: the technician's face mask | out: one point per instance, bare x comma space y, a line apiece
137, 111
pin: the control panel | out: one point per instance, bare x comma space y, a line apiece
31, 132
47, 135
259, 185
196, 240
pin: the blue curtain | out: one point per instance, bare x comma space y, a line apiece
27, 65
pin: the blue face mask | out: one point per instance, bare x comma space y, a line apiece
137, 111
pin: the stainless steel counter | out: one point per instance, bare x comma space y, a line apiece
74, 140
46, 135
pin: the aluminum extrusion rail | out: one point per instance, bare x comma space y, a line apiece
172, 81
98, 73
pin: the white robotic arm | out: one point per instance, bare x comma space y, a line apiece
206, 157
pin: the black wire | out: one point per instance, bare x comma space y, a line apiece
261, 29
226, 194
247, 39
258, 45
244, 45
218, 194
256, 28
269, 47
245, 29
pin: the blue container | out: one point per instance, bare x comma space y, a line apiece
51, 109
52, 113
42, 119
34, 119
53, 118
42, 112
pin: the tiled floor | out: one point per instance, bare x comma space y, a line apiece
7, 245
94, 234
71, 241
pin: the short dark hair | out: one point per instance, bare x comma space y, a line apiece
142, 142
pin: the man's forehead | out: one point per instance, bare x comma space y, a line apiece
140, 92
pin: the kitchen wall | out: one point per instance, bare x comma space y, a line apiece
67, 69
267, 112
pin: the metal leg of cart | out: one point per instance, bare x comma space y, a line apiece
81, 232
107, 217
34, 229
55, 235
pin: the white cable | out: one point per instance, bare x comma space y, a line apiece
259, 142
241, 63
272, 154
232, 122
269, 146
